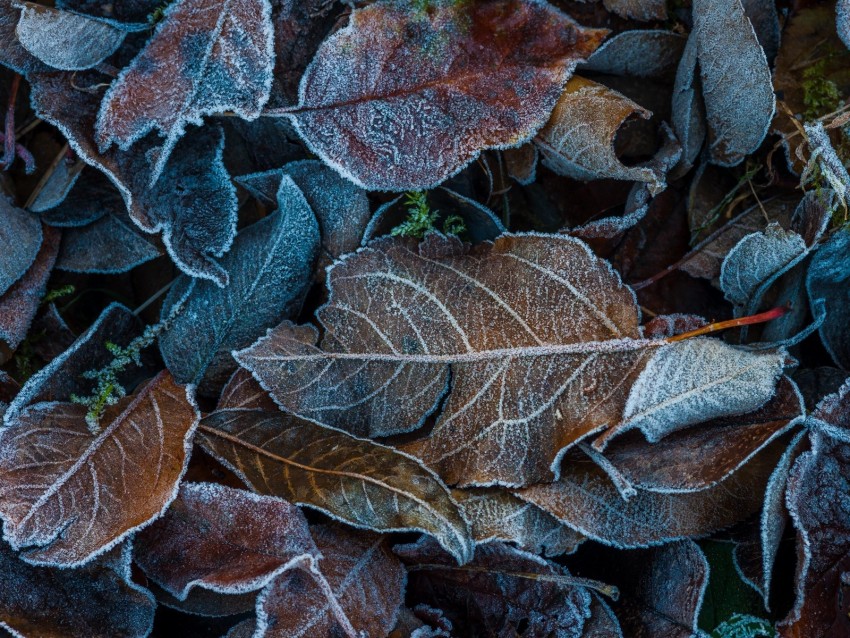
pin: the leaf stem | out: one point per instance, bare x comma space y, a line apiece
762, 317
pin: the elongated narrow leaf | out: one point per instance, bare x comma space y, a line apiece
206, 56
223, 539
356, 481
357, 592
69, 495
643, 53
20, 239
695, 380
270, 268
96, 601
401, 99
827, 279
525, 385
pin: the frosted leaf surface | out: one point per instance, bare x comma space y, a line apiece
842, 21
90, 198
358, 592
66, 40
578, 140
13, 54
736, 81
645, 10
585, 499
695, 380
193, 204
494, 514
57, 186
832, 413
602, 622
359, 482
510, 585
677, 463
270, 268
541, 337
20, 240
20, 302
243, 391
206, 56
827, 279
764, 17
205, 602
642, 53
688, 108
223, 539
70, 495
818, 499
95, 601
8, 389
401, 100
108, 245
521, 163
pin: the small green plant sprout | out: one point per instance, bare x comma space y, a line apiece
421, 219
820, 94
58, 293
156, 16
744, 626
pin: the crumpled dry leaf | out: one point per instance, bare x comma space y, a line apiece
70, 495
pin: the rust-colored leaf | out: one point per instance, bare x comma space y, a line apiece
69, 495
357, 481
403, 98
223, 539
358, 591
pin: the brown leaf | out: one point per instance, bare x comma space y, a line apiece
20, 302
357, 481
96, 601
500, 590
494, 514
401, 99
223, 539
703, 455
243, 391
525, 382
206, 57
358, 592
69, 495
521, 163
205, 602
586, 499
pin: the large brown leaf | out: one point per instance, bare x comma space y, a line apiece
358, 592
359, 482
541, 337
69, 495
223, 539
402, 98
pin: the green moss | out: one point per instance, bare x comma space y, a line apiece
820, 94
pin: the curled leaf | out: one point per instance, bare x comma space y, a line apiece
641, 53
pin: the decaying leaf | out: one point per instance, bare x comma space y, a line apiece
357, 592
270, 267
224, 540
357, 481
20, 239
206, 56
459, 83
70, 495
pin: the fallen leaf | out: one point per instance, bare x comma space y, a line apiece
225, 540
20, 241
356, 481
401, 100
827, 280
645, 10
90, 197
521, 163
71, 495
243, 391
647, 53
688, 108
13, 55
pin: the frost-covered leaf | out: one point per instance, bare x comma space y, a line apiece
677, 463
58, 185
661, 590
494, 514
586, 499
578, 140
756, 262
764, 17
736, 81
521, 163
358, 592
818, 498
69, 495
688, 108
402, 99
91, 197
602, 622
644, 54
645, 10
223, 539
8, 389
524, 384
827, 279
243, 391
20, 240
832, 413
357, 481
695, 380
66, 40
206, 56
193, 204
109, 245
512, 589
341, 208
96, 601
12, 54
270, 268
20, 302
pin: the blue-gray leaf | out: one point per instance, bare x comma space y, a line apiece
829, 279
20, 239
